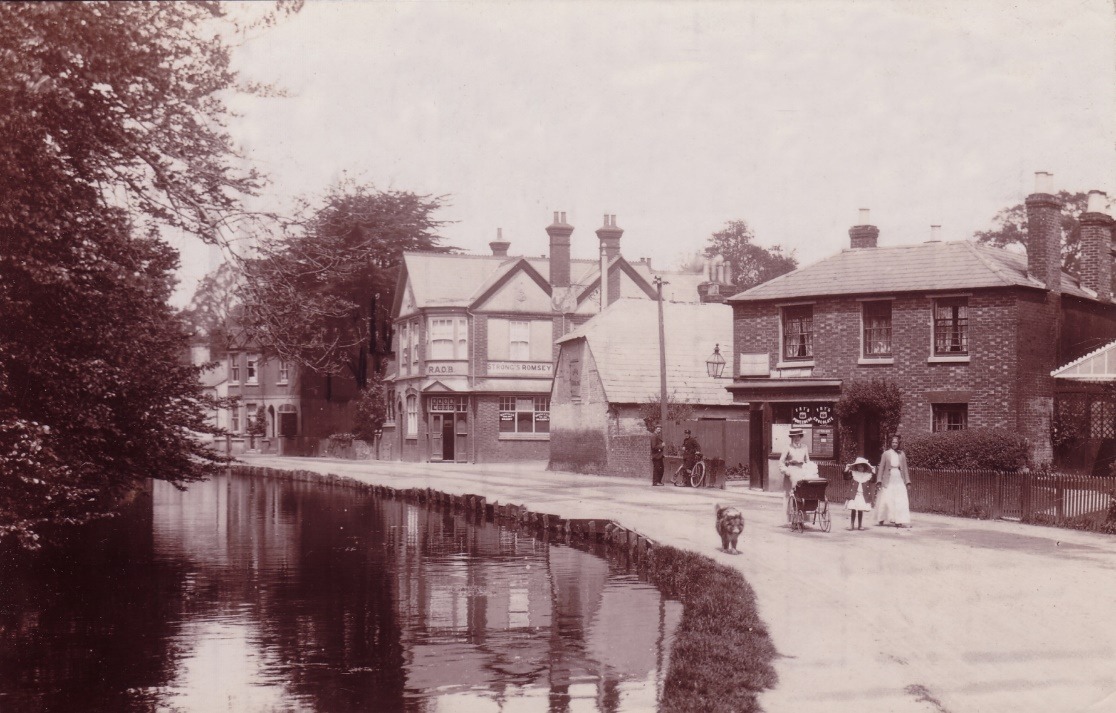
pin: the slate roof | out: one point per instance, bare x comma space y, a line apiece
457, 280
932, 266
624, 341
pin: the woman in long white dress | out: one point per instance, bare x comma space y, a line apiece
893, 506
791, 463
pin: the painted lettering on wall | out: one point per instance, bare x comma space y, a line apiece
436, 368
521, 368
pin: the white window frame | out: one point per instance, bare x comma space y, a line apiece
519, 349
234, 419
284, 372
252, 370
795, 362
865, 357
442, 341
960, 357
411, 404
234, 368
516, 405
946, 409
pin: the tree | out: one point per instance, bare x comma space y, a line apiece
257, 425
1010, 228
321, 295
371, 409
751, 264
113, 125
215, 312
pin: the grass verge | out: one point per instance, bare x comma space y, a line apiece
722, 655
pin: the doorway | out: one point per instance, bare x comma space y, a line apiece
442, 437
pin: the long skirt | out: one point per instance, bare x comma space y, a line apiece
892, 503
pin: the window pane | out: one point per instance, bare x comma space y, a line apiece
525, 421
798, 328
877, 328
951, 326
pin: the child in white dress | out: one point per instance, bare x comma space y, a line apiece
862, 472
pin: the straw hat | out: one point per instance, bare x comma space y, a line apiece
860, 463
795, 432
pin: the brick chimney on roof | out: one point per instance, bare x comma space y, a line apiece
499, 245
559, 232
609, 234
1044, 234
863, 235
1096, 246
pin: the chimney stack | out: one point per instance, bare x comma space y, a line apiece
559, 232
499, 245
1096, 246
609, 235
865, 234
1044, 234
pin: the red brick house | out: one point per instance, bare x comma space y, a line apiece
969, 333
474, 342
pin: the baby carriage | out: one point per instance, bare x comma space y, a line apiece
807, 503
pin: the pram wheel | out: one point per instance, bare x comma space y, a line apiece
823, 516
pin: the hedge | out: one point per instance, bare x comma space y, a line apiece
974, 448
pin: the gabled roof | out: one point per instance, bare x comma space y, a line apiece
1097, 365
932, 266
624, 341
461, 280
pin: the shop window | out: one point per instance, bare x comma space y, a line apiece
950, 417
951, 326
524, 414
877, 329
798, 332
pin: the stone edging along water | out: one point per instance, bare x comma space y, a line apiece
608, 532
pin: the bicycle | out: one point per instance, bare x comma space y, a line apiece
694, 477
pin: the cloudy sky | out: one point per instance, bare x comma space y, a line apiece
680, 116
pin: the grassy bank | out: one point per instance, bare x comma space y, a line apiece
722, 655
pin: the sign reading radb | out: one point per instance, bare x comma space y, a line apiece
520, 368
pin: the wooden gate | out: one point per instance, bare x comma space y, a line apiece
722, 439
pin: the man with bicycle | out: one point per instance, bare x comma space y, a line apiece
691, 455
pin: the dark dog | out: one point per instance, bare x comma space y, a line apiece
730, 526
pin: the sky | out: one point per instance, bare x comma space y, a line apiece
680, 116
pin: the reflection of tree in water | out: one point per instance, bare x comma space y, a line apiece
90, 626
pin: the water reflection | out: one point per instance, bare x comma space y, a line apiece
261, 595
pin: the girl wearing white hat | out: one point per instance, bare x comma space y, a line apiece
862, 472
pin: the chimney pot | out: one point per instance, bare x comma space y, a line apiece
1044, 182
1098, 201
556, 216
563, 217
864, 219
935, 233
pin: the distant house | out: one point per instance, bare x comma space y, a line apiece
474, 342
608, 372
969, 333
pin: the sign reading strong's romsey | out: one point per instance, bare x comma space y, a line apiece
520, 368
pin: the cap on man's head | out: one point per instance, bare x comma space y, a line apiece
687, 430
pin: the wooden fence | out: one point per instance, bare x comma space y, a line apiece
1079, 502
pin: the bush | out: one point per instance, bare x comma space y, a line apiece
975, 448
341, 440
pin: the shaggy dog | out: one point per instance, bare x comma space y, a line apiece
730, 526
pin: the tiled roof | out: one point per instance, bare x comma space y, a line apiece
455, 280
933, 266
624, 341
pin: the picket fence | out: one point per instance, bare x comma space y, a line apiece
1079, 502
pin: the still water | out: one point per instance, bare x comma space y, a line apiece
247, 594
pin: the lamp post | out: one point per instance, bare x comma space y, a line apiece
715, 364
662, 356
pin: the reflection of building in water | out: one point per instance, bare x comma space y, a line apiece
488, 609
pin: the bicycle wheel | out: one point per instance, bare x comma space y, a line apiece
697, 474
823, 516
679, 478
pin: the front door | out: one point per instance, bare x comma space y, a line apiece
437, 421
447, 437
757, 449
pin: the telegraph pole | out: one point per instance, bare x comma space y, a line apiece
662, 356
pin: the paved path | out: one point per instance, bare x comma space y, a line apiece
952, 615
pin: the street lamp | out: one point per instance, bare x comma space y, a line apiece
715, 364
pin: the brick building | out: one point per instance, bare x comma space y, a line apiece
608, 371
474, 342
969, 333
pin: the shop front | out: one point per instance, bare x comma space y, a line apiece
447, 419
778, 405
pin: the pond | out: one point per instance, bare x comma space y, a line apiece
248, 594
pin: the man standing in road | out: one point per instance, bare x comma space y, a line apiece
657, 456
